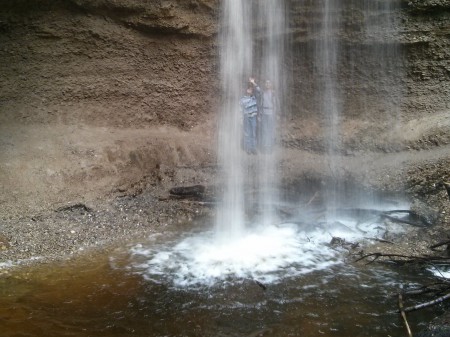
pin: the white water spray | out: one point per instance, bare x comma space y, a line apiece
236, 63
327, 53
251, 43
340, 56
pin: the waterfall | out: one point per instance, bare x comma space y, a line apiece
249, 241
272, 23
382, 34
356, 72
327, 54
236, 55
251, 45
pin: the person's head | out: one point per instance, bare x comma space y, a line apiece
249, 90
268, 84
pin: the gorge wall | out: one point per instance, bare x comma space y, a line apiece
100, 95
392, 66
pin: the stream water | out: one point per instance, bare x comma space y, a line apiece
134, 291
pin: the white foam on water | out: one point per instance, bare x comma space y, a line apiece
8, 264
264, 253
440, 271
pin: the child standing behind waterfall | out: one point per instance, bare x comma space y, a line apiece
249, 108
267, 115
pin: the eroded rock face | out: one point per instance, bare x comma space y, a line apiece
115, 63
190, 18
97, 94
153, 57
394, 52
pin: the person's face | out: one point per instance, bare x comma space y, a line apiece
268, 85
249, 91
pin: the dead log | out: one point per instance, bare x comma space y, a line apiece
188, 191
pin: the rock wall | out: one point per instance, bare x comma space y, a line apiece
97, 94
113, 63
147, 60
386, 50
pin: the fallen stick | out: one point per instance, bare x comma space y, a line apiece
312, 199
380, 240
377, 255
419, 217
393, 218
440, 244
402, 312
427, 304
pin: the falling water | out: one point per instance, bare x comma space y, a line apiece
357, 71
236, 63
327, 53
272, 23
248, 241
382, 36
251, 45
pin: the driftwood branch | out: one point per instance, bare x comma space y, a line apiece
261, 285
427, 304
405, 259
403, 314
381, 240
443, 243
436, 288
376, 256
188, 191
440, 290
393, 218
421, 221
312, 198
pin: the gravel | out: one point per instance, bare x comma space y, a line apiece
74, 229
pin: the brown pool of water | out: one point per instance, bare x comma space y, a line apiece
91, 297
